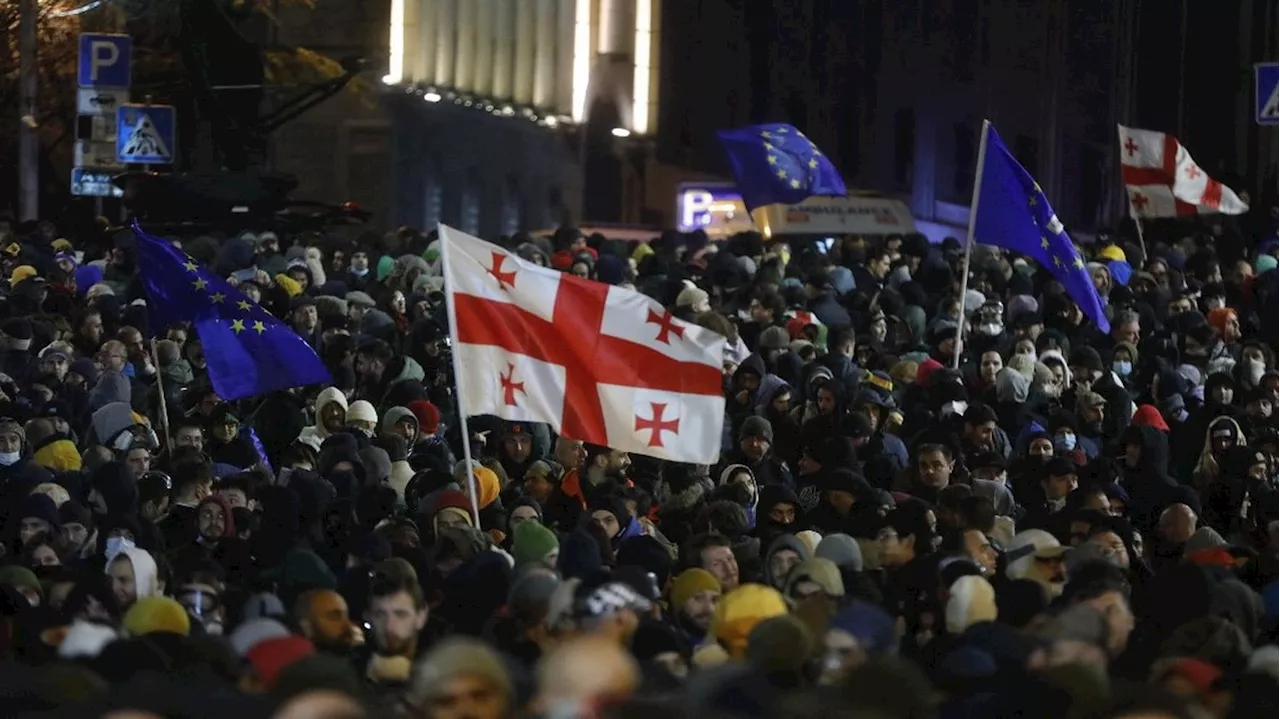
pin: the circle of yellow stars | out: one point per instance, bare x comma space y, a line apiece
218, 298
772, 156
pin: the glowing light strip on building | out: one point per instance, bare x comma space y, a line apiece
395, 63
581, 58
643, 72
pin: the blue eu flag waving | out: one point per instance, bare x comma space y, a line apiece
1010, 211
249, 352
777, 164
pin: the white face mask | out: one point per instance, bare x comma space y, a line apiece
116, 545
9, 458
1255, 369
951, 408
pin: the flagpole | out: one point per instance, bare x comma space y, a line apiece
452, 314
968, 244
1142, 241
164, 404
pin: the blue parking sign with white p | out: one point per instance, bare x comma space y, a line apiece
1266, 82
105, 60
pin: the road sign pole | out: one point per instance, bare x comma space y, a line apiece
28, 140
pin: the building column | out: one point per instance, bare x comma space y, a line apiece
544, 75
424, 41
446, 31
564, 55
464, 72
615, 30
523, 59
504, 26
482, 74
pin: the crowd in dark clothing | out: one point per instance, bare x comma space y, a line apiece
1070, 523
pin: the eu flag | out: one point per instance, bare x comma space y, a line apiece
777, 164
249, 352
1011, 212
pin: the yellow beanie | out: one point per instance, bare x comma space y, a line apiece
62, 244
489, 485
290, 285
156, 614
20, 273
60, 456
740, 611
690, 582
1111, 252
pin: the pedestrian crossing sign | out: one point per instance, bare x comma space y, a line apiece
146, 134
1266, 80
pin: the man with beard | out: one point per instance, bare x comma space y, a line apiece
515, 452
695, 593
396, 614
605, 463
379, 369
322, 616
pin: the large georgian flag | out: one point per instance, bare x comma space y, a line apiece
1163, 181
598, 363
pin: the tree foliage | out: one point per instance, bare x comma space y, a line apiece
158, 72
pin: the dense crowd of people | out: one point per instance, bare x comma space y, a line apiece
1069, 524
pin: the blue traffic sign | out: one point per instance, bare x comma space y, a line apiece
105, 60
146, 134
1266, 81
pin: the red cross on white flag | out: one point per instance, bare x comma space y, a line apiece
1163, 181
598, 363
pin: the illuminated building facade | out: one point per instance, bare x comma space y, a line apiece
517, 114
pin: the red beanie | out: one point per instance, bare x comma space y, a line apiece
272, 656
926, 370
428, 416
1147, 415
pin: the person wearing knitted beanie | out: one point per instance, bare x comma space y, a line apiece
694, 595
535, 544
740, 611
156, 614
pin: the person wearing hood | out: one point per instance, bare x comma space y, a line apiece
400, 473
755, 442
1145, 473
1222, 434
133, 576
751, 385
741, 482
841, 490
782, 554
610, 514
331, 416
777, 513
1012, 391
787, 434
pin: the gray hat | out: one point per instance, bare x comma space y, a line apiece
253, 632
774, 338
756, 427
360, 299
